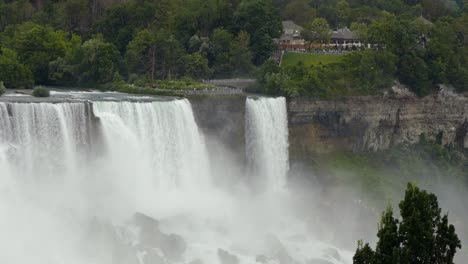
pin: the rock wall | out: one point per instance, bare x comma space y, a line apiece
366, 123
371, 123
221, 118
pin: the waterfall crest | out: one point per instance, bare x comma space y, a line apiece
42, 139
160, 139
75, 176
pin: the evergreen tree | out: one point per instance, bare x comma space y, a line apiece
422, 237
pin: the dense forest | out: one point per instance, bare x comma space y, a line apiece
421, 43
81, 42
99, 42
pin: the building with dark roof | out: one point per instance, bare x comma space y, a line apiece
291, 38
344, 36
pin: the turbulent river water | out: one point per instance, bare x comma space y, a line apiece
77, 178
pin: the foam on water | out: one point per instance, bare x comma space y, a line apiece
65, 165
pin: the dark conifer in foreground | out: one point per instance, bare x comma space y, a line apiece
422, 235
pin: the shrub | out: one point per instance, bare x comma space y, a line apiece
41, 91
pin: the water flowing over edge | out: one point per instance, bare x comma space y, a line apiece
139, 157
267, 140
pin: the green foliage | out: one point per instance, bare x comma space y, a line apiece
361, 30
388, 243
100, 61
241, 56
182, 84
41, 91
121, 21
422, 236
36, 46
262, 21
12, 72
317, 30
141, 53
309, 59
14, 12
418, 53
280, 83
299, 11
414, 72
2, 88
197, 66
364, 254
85, 43
356, 73
126, 88
57, 43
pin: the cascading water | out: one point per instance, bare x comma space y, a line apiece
41, 147
267, 140
43, 140
68, 169
161, 138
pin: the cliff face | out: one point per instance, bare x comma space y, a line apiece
349, 124
221, 118
373, 123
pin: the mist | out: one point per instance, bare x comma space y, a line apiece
139, 182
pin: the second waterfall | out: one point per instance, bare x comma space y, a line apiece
267, 140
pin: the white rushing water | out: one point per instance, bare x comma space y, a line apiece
267, 140
43, 140
68, 169
157, 137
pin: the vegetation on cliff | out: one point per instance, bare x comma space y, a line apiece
383, 174
41, 91
91, 43
420, 43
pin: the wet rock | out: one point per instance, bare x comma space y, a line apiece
279, 251
196, 261
370, 123
145, 222
107, 239
151, 237
227, 258
262, 259
153, 256
173, 246
266, 260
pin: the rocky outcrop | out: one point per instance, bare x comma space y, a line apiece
221, 118
373, 123
365, 123
227, 258
140, 241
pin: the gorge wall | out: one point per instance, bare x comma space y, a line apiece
374, 123
356, 124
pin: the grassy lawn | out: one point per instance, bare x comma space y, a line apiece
309, 59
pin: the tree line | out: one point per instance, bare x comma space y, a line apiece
421, 43
94, 42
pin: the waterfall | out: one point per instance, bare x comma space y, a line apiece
267, 140
154, 144
72, 175
161, 138
42, 139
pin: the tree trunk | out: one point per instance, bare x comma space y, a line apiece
153, 62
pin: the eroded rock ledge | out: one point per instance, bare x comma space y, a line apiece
370, 123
